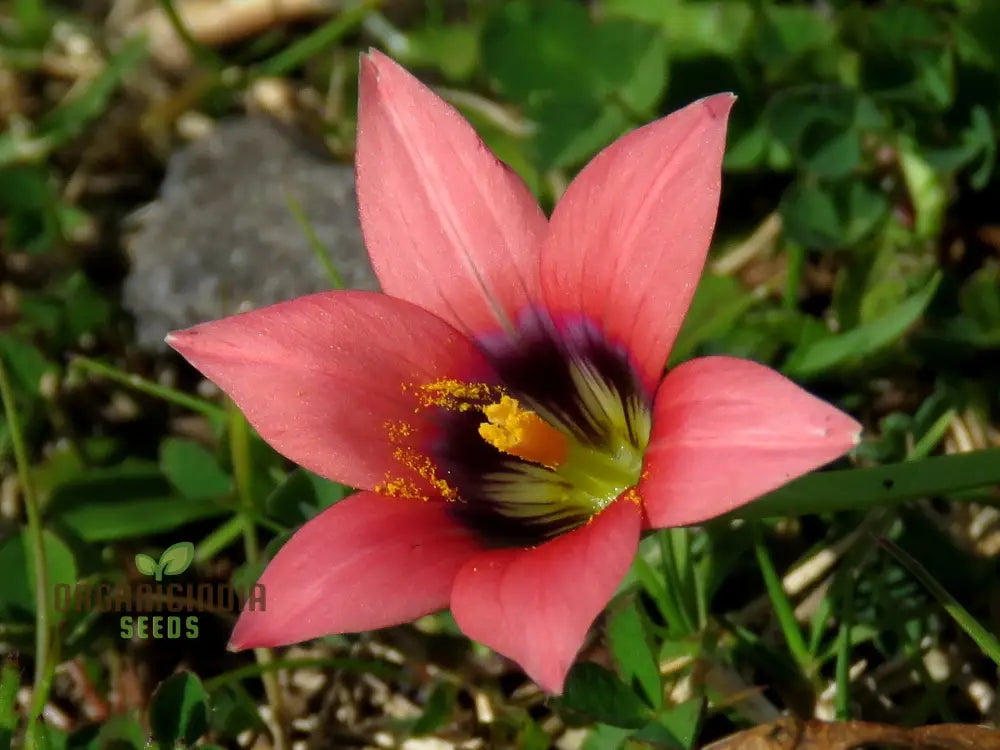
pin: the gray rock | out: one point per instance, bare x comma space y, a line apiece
221, 236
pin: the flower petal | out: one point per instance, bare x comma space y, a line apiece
328, 379
628, 239
726, 431
535, 605
368, 562
448, 226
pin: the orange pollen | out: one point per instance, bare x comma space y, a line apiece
522, 433
632, 495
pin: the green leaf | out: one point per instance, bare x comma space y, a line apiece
25, 363
828, 151
532, 736
10, 682
533, 48
682, 722
135, 518
792, 112
301, 496
130, 500
177, 558
976, 36
862, 208
979, 300
719, 302
571, 130
824, 215
748, 145
692, 30
605, 737
651, 581
927, 191
45, 737
595, 692
981, 137
118, 732
178, 711
193, 470
28, 204
636, 661
25, 188
852, 346
978, 143
234, 710
17, 584
810, 217
658, 735
86, 309
145, 564
453, 49
631, 60
788, 32
437, 710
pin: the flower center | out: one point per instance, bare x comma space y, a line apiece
558, 438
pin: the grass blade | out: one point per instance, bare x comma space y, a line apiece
296, 55
43, 666
148, 387
852, 489
779, 600
983, 638
319, 250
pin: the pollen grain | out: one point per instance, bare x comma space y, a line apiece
456, 395
426, 470
397, 431
399, 487
632, 495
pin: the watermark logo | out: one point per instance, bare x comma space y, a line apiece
140, 604
175, 560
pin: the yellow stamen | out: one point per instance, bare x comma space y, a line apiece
522, 433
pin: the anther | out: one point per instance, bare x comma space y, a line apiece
522, 433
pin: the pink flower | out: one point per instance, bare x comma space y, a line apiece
503, 406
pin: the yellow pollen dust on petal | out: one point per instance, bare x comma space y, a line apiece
425, 468
456, 395
632, 495
522, 433
416, 463
397, 431
400, 487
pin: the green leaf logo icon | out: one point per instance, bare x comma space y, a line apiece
145, 564
175, 560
